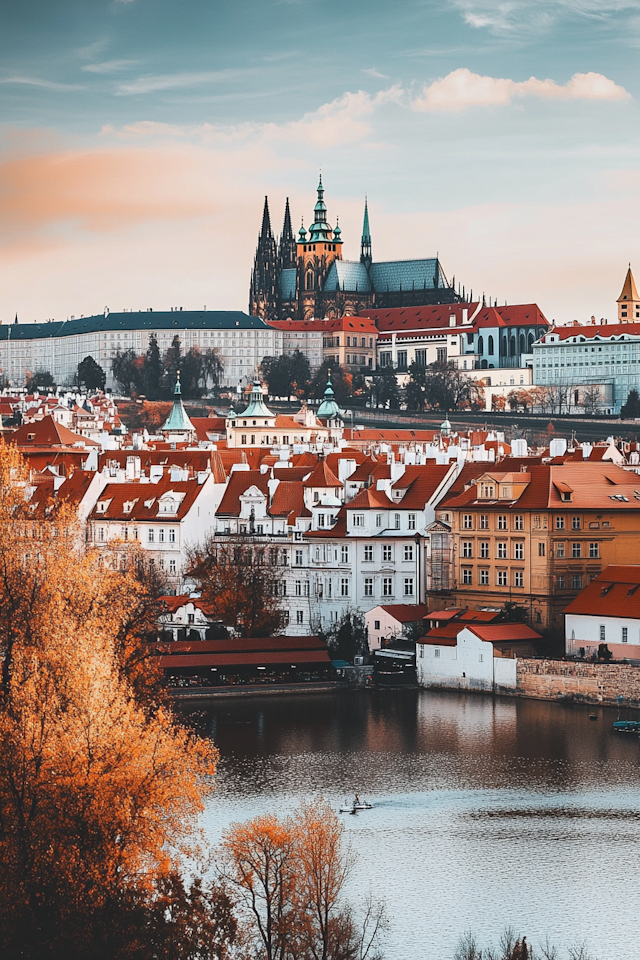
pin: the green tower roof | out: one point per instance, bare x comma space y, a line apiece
177, 421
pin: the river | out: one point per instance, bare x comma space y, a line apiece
488, 812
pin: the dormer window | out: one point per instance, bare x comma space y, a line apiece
31, 436
101, 506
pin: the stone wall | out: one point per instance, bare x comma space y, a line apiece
572, 680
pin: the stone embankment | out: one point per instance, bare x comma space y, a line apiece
603, 683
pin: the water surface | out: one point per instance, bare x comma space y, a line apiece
488, 812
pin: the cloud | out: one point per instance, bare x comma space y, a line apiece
509, 16
462, 88
372, 72
39, 82
344, 120
109, 66
176, 81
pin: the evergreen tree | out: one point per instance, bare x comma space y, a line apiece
41, 380
192, 373
153, 370
172, 364
416, 389
127, 372
631, 409
91, 375
385, 387
341, 381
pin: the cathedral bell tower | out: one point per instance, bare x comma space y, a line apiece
629, 301
316, 251
263, 293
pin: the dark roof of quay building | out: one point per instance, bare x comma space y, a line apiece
142, 320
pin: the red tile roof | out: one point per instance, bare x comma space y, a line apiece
597, 330
406, 612
288, 501
370, 499
239, 482
322, 476
423, 486
503, 632
48, 433
237, 645
615, 592
294, 657
142, 500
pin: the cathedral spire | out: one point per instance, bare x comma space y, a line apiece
263, 292
365, 244
265, 230
287, 250
629, 301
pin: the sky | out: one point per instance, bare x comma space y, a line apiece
138, 139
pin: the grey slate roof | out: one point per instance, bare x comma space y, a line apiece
288, 283
142, 320
406, 275
348, 275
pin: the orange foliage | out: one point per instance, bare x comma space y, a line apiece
98, 796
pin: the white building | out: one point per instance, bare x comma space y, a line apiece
388, 622
606, 611
473, 656
241, 341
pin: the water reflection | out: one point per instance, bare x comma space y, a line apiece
487, 812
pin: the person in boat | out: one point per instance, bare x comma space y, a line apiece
356, 800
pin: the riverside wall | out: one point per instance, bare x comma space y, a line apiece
603, 683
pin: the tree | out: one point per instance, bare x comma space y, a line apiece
127, 369
277, 372
591, 399
416, 389
192, 373
152, 370
286, 879
340, 380
98, 789
631, 409
42, 380
212, 368
91, 375
385, 388
241, 582
498, 402
300, 374
348, 637
172, 364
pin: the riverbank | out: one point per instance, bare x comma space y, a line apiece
216, 693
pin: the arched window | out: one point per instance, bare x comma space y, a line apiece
309, 280
504, 346
480, 345
530, 343
490, 346
522, 343
512, 347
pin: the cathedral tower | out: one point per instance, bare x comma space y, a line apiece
263, 294
287, 248
316, 252
365, 243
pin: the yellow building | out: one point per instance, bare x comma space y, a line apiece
537, 537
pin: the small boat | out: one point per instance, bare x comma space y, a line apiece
627, 726
356, 806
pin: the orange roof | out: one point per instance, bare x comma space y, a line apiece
139, 501
48, 433
288, 501
322, 476
172, 604
423, 486
613, 593
503, 632
406, 612
239, 481
597, 330
369, 498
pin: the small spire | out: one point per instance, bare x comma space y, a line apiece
365, 243
265, 230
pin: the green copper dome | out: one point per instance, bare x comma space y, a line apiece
329, 409
177, 421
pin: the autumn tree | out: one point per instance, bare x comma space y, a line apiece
286, 878
41, 380
240, 580
99, 790
127, 370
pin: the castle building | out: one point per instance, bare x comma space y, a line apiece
305, 278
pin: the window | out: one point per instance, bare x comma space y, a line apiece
467, 521
502, 550
150, 535
480, 657
408, 551
368, 553
172, 566
411, 522
344, 587
243, 440
576, 551
560, 550
396, 521
436, 652
100, 533
603, 633
502, 522
484, 521
518, 522
484, 549
402, 359
594, 551
298, 560
321, 519
467, 575
484, 577
376, 624
559, 523
378, 519
368, 586
161, 536
518, 578
467, 549
386, 554
625, 634
358, 520
441, 355
344, 554
576, 581
172, 536
541, 549
387, 586
518, 551
502, 578
575, 523
298, 588
560, 583
408, 586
